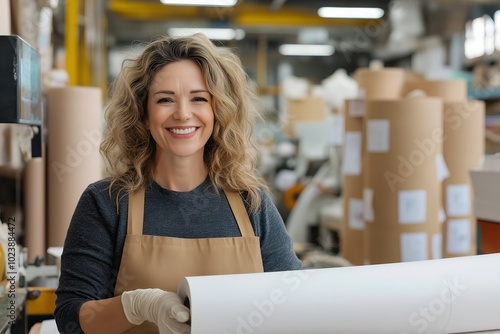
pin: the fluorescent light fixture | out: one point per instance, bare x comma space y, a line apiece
306, 50
218, 34
211, 3
351, 12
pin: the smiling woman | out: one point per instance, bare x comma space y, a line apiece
182, 200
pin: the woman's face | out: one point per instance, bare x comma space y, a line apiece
180, 114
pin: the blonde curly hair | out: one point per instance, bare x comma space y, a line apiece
128, 146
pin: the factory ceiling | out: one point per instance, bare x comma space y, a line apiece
278, 19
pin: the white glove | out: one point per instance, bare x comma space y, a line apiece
163, 308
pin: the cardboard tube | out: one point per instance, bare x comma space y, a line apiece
380, 84
463, 150
35, 203
448, 90
5, 24
352, 235
74, 135
403, 141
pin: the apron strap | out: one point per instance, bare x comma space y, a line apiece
240, 213
135, 212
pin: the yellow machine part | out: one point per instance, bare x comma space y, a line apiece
44, 304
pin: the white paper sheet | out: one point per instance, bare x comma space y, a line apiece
368, 213
337, 134
413, 246
452, 295
356, 221
442, 169
357, 108
458, 236
378, 135
351, 164
458, 201
412, 206
441, 216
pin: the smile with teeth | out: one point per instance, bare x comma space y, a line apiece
185, 131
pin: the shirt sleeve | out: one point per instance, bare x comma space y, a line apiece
275, 242
87, 260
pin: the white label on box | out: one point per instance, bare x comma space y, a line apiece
413, 246
356, 108
378, 135
458, 236
458, 201
437, 246
352, 153
368, 214
412, 206
441, 216
356, 221
442, 168
337, 121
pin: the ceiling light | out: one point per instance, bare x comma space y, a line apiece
219, 34
351, 12
211, 3
306, 50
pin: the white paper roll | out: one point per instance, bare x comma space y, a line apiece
452, 295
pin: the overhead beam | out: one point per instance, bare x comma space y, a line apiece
243, 14
256, 15
137, 10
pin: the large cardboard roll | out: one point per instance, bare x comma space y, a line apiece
74, 134
380, 84
35, 207
353, 232
463, 150
448, 90
402, 190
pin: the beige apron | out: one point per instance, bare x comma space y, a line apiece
160, 262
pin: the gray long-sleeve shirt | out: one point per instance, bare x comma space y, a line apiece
94, 242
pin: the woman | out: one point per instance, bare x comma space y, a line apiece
182, 199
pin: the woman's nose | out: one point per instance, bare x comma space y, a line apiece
182, 112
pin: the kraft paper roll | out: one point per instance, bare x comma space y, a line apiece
401, 190
353, 234
380, 84
438, 296
73, 138
448, 90
5, 28
35, 207
463, 150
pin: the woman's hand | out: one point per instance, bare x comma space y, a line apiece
163, 308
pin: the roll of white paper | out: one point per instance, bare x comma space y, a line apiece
452, 295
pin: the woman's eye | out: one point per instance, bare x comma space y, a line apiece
200, 99
165, 100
